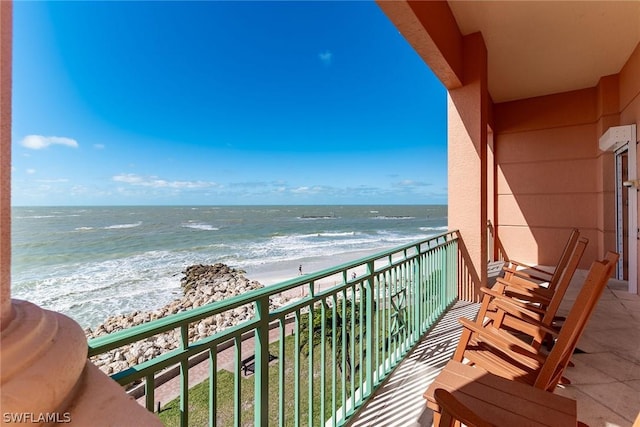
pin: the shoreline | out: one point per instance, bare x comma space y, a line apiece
280, 271
268, 274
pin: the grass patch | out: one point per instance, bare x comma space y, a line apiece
199, 394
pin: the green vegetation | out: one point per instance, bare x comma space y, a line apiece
199, 395
338, 324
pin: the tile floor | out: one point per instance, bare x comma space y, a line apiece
605, 378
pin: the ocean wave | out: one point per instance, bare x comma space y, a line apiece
96, 271
394, 217
297, 246
54, 215
338, 234
316, 217
441, 228
90, 292
200, 226
119, 226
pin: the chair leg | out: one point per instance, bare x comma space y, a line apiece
437, 419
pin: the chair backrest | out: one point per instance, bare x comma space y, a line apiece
452, 410
552, 308
576, 320
561, 289
569, 249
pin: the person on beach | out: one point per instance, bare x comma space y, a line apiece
300, 270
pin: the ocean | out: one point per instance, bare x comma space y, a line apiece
93, 262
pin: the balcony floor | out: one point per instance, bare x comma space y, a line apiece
605, 378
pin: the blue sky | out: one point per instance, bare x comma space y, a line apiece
216, 103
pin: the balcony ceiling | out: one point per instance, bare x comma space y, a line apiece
541, 47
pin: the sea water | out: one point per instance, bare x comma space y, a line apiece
93, 262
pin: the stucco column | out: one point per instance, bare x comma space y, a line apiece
5, 162
468, 108
45, 377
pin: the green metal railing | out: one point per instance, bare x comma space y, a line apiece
317, 359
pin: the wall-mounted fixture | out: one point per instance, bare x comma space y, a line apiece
616, 136
632, 183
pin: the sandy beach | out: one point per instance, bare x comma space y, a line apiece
280, 271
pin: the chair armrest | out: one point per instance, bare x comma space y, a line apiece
525, 283
524, 314
519, 282
525, 303
452, 409
511, 346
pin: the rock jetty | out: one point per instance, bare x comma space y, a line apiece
201, 285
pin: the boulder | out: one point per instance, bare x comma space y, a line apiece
201, 285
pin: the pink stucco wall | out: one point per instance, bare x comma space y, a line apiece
547, 182
552, 175
467, 117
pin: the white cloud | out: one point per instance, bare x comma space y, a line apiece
98, 146
31, 171
326, 57
128, 178
38, 142
411, 183
155, 182
308, 190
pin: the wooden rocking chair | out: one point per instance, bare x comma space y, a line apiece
505, 365
540, 307
492, 401
505, 355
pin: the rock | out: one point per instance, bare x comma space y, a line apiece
201, 285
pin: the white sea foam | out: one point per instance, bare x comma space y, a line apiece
56, 215
442, 228
342, 234
200, 226
89, 292
296, 246
119, 226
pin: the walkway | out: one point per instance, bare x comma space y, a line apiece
399, 401
605, 379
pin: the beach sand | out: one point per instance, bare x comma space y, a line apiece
276, 272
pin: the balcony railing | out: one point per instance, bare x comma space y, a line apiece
318, 358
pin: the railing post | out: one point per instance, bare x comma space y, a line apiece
454, 254
417, 296
261, 379
184, 377
370, 332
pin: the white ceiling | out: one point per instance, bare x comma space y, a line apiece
541, 47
